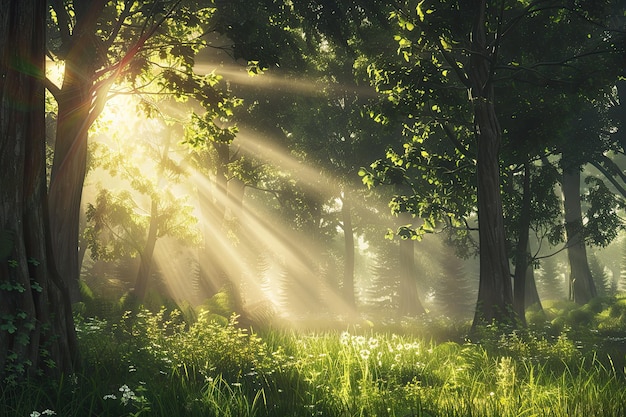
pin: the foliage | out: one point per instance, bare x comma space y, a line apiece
158, 364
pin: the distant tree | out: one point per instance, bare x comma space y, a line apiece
120, 225
552, 285
383, 293
621, 284
454, 293
601, 279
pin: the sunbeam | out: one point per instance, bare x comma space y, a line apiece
274, 80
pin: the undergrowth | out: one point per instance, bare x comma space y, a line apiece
158, 364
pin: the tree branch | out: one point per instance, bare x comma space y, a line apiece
52, 88
609, 175
64, 23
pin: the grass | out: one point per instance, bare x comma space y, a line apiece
156, 364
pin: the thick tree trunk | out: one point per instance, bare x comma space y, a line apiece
582, 287
36, 317
495, 295
70, 150
348, 240
69, 166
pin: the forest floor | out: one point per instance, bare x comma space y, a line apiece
569, 361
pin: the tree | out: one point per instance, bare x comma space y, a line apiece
601, 279
101, 42
37, 333
553, 286
120, 226
452, 290
484, 48
495, 297
322, 40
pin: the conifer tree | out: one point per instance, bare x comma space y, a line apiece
551, 280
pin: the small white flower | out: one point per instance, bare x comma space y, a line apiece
109, 397
365, 354
46, 412
373, 343
127, 394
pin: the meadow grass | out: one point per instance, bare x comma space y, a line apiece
157, 364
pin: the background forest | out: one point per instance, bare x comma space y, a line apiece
312, 207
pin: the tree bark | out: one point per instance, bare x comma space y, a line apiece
34, 305
70, 150
495, 295
521, 252
75, 100
532, 295
582, 287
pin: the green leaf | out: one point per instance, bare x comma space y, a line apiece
420, 12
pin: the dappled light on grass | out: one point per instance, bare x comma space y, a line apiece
157, 361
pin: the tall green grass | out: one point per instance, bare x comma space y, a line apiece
156, 364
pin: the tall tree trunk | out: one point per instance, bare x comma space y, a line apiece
146, 255
34, 305
532, 295
408, 299
521, 251
348, 241
70, 150
207, 253
495, 295
582, 287
214, 209
410, 304
69, 169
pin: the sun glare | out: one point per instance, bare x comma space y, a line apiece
238, 234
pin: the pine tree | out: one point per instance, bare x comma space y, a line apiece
552, 285
621, 285
600, 277
454, 294
383, 293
